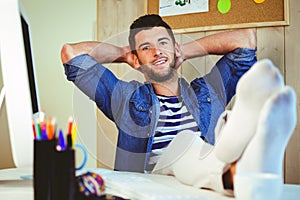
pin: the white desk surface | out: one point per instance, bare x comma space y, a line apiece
13, 187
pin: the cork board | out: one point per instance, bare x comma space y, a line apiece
243, 13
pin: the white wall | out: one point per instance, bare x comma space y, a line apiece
52, 24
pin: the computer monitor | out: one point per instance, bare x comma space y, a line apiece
19, 88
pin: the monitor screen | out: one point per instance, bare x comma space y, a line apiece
30, 67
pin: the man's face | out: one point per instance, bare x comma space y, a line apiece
156, 54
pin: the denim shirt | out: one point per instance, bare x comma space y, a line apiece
134, 106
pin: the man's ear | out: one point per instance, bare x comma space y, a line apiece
178, 52
178, 56
135, 64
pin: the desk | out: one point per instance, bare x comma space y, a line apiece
12, 187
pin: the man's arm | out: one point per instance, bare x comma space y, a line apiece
220, 44
101, 52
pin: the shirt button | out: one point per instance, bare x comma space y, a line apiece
208, 99
140, 108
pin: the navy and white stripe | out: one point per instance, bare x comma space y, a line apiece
174, 117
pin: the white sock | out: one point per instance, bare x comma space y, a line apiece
265, 152
175, 150
195, 165
253, 89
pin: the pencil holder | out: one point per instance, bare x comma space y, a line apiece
42, 168
63, 182
54, 170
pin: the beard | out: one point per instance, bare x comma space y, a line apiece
159, 77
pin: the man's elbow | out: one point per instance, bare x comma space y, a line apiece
66, 53
251, 41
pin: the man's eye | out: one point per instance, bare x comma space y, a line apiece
145, 48
163, 43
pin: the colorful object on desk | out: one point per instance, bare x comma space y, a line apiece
43, 129
46, 130
91, 184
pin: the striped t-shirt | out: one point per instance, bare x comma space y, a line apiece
174, 117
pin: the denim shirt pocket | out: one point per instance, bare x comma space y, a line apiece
205, 104
140, 112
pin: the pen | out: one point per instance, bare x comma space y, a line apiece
44, 131
69, 141
38, 130
34, 131
54, 126
74, 132
42, 116
61, 141
50, 128
69, 133
70, 124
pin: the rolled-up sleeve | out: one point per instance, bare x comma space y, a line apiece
228, 70
233, 66
93, 79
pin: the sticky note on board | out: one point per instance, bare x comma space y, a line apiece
224, 6
259, 1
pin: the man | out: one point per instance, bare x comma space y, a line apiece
148, 115
168, 126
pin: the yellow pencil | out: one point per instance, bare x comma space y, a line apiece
74, 132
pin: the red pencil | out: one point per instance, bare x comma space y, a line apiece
34, 131
70, 124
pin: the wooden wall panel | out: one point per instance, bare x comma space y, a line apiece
194, 67
270, 44
6, 159
292, 75
211, 60
106, 130
113, 20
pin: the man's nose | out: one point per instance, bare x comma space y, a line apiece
156, 51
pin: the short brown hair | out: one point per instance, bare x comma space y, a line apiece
147, 22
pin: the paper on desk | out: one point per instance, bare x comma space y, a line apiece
152, 187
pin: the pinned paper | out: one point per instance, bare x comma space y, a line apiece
224, 6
